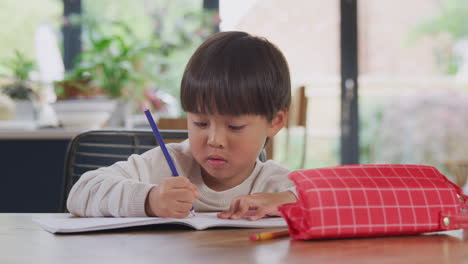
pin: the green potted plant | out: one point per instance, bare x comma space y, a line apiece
105, 73
19, 86
115, 64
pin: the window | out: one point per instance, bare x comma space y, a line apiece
412, 84
20, 23
307, 32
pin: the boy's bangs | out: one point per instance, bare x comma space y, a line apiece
224, 94
236, 74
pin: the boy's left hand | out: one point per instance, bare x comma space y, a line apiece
257, 205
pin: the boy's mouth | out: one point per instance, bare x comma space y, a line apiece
216, 161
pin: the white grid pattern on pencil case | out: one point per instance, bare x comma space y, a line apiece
337, 212
304, 219
360, 226
387, 177
381, 198
428, 212
381, 176
440, 189
379, 188
393, 189
348, 191
378, 166
412, 206
296, 218
322, 220
415, 223
378, 206
322, 228
353, 212
383, 166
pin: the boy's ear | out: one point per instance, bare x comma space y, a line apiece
278, 122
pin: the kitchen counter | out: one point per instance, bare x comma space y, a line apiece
23, 154
39, 134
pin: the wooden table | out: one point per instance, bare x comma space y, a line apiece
23, 241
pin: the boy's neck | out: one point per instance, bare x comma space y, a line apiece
223, 185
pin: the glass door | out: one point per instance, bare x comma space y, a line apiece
307, 32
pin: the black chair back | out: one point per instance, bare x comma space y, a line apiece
101, 148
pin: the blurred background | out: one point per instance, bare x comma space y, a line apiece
373, 81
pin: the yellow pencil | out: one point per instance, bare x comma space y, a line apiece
269, 235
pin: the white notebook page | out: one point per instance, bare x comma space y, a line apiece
199, 221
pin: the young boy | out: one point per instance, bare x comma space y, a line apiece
236, 92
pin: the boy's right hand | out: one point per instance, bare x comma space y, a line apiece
173, 198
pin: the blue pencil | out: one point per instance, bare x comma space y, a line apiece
161, 142
162, 145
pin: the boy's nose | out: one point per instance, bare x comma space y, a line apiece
216, 139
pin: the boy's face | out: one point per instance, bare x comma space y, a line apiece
227, 147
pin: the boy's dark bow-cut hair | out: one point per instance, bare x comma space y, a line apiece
234, 73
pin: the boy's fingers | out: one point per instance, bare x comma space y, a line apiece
176, 214
242, 208
194, 188
259, 213
178, 182
224, 215
183, 195
183, 207
182, 183
233, 208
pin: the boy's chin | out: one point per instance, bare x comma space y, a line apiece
218, 174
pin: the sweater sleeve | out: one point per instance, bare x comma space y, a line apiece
119, 190
274, 178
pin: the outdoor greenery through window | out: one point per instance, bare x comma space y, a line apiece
131, 50
143, 45
413, 83
413, 77
413, 66
307, 32
20, 23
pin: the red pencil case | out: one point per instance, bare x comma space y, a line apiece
373, 200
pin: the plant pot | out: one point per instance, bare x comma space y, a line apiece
77, 89
25, 110
84, 113
121, 113
7, 108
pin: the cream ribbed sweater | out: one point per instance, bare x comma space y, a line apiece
121, 189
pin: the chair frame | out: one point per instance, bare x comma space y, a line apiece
137, 147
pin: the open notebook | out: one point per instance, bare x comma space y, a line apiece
199, 221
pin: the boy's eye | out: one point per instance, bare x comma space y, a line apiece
236, 127
200, 124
